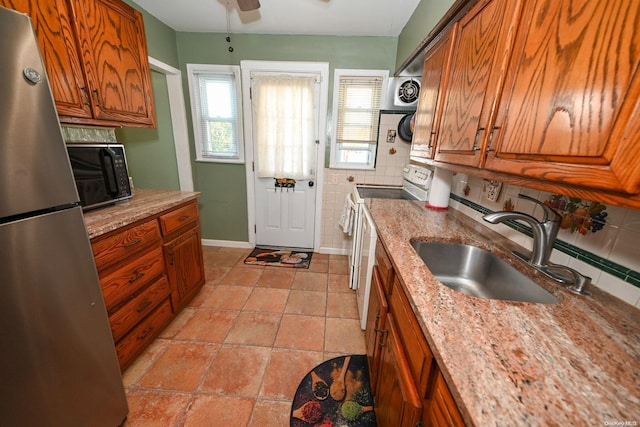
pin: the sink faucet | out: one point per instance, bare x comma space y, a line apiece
544, 232
544, 236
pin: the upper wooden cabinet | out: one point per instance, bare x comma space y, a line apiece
569, 112
56, 37
429, 109
96, 59
480, 54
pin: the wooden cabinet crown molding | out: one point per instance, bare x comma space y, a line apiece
95, 55
553, 107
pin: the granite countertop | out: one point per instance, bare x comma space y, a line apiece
143, 204
576, 362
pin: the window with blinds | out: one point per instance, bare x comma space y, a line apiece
356, 111
216, 112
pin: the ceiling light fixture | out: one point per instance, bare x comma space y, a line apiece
228, 38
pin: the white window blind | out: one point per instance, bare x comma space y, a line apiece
358, 109
216, 111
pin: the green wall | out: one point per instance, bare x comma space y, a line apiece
424, 19
223, 204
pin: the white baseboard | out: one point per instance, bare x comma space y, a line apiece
227, 243
333, 251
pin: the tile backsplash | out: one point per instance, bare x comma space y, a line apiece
391, 157
609, 256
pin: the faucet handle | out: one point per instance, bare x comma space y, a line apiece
549, 214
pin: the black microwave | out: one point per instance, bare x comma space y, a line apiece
100, 172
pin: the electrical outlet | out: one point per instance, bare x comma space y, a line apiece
493, 190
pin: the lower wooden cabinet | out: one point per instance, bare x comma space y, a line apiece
376, 326
397, 403
408, 387
442, 410
149, 271
185, 267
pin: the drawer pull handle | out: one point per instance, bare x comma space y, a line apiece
138, 277
184, 218
146, 332
144, 304
133, 243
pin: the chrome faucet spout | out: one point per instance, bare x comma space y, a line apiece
544, 232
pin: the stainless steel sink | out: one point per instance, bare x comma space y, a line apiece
477, 272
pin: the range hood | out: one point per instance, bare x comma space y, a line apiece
401, 94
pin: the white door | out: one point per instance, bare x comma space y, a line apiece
285, 117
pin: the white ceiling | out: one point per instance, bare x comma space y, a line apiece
310, 17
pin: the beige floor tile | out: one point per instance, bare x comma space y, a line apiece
342, 305
203, 295
339, 265
301, 332
215, 273
237, 371
344, 336
180, 367
285, 371
276, 277
139, 367
178, 323
270, 413
311, 303
267, 300
209, 411
242, 276
210, 325
254, 328
227, 297
339, 283
318, 264
149, 408
310, 281
244, 343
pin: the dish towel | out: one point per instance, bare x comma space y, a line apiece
347, 217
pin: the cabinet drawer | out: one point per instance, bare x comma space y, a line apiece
178, 218
132, 343
418, 353
136, 309
122, 245
127, 280
385, 267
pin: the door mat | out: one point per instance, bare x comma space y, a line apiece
335, 393
279, 258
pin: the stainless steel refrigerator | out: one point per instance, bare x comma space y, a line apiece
57, 358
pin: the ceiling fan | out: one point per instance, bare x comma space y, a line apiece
248, 5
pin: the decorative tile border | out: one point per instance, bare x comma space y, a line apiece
621, 272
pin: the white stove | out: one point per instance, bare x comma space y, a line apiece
415, 186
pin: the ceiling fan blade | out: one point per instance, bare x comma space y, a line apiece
247, 5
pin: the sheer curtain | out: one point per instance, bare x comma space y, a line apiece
285, 125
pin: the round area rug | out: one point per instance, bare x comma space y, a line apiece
335, 393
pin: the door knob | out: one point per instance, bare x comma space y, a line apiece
310, 183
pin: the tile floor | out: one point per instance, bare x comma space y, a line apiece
236, 355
